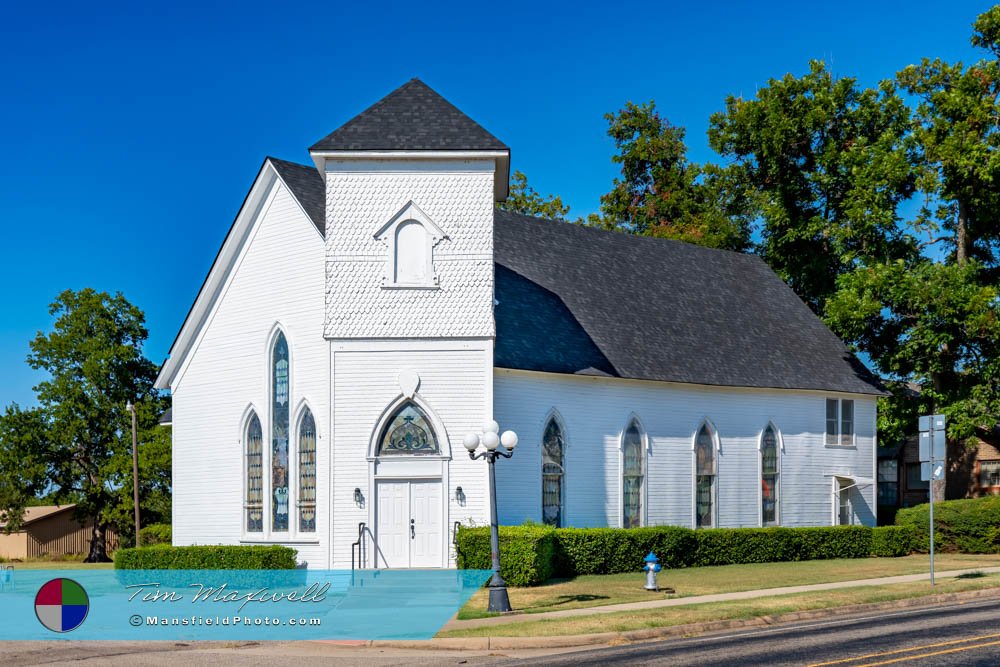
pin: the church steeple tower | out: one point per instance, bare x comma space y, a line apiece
411, 184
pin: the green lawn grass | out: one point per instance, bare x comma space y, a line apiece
715, 611
599, 590
59, 565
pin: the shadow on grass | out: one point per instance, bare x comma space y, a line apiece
971, 575
566, 599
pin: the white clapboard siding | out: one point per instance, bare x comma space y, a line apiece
278, 281
595, 411
454, 379
444, 333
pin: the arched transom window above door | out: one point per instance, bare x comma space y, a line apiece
410, 237
408, 431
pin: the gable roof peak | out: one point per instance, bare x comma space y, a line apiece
413, 117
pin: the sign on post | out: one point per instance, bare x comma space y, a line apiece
938, 438
932, 461
930, 470
931, 423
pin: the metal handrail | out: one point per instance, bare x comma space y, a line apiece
360, 544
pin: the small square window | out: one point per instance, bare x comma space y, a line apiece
989, 473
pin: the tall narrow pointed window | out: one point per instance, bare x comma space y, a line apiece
769, 477
632, 476
280, 388
307, 473
408, 431
553, 452
254, 503
705, 474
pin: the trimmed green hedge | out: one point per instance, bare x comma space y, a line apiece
893, 541
611, 550
728, 546
527, 553
532, 554
163, 557
157, 533
969, 526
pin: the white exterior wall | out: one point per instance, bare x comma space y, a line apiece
595, 411
455, 383
227, 373
444, 333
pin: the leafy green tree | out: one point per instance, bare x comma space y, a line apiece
935, 321
525, 199
933, 324
154, 483
23, 479
76, 445
827, 164
957, 126
662, 193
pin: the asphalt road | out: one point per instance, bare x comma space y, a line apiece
964, 634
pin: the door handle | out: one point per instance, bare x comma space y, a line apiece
413, 530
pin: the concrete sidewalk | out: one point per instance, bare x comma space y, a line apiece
698, 599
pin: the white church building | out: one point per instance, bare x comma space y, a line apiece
367, 311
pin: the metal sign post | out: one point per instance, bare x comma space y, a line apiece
930, 497
932, 461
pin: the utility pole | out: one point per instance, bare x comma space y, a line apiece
135, 470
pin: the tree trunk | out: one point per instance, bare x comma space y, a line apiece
98, 545
962, 235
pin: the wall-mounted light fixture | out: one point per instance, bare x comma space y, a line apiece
359, 499
460, 496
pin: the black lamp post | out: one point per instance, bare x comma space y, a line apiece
499, 601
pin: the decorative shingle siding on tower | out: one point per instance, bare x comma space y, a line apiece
459, 199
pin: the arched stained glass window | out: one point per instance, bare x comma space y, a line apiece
705, 474
632, 476
254, 503
307, 473
408, 431
279, 434
553, 451
769, 477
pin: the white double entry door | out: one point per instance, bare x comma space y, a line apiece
408, 524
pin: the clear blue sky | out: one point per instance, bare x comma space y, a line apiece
130, 134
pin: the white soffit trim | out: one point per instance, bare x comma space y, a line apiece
231, 248
501, 176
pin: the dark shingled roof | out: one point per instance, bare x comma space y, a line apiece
573, 299
411, 118
307, 185
661, 310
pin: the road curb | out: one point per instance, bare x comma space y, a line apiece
614, 638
